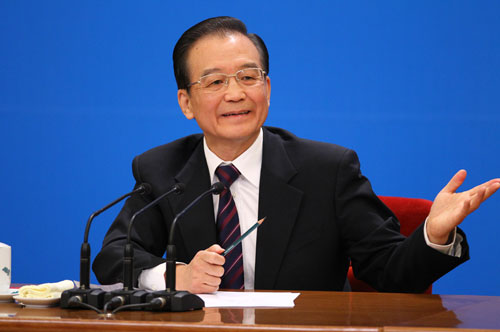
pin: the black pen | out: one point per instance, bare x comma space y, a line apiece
250, 230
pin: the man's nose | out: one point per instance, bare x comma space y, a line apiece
234, 90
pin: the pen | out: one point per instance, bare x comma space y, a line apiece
250, 230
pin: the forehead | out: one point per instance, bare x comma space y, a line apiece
223, 53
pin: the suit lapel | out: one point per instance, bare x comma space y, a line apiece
279, 202
197, 226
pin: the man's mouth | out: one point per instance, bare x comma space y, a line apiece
236, 113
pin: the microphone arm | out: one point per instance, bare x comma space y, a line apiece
128, 257
170, 299
144, 188
215, 189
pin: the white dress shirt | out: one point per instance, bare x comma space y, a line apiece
245, 191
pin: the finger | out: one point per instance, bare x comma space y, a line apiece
216, 248
204, 288
202, 267
207, 289
494, 187
489, 188
483, 193
215, 271
476, 199
206, 283
212, 281
212, 258
455, 182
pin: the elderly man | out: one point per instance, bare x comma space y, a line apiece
321, 211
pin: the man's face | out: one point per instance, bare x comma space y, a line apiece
234, 115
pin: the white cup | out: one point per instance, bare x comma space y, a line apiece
5, 267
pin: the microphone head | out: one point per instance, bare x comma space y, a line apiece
217, 188
179, 188
145, 188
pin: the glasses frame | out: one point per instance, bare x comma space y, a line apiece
226, 81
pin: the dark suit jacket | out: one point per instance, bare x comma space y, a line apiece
321, 212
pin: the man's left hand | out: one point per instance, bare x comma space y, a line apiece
450, 207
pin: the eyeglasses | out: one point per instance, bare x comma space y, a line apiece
247, 77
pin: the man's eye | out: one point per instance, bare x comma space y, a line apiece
216, 82
248, 78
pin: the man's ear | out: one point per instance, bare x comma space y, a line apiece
268, 88
185, 103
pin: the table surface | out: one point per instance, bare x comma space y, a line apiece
313, 311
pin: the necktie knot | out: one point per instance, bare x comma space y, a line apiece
227, 174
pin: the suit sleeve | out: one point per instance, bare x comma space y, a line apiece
380, 255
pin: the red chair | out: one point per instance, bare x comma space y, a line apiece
411, 212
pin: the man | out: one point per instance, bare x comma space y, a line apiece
321, 212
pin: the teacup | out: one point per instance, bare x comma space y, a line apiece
5, 267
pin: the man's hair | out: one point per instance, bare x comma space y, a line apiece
222, 26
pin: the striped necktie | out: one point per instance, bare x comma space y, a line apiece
228, 228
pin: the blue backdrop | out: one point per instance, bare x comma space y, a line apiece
85, 86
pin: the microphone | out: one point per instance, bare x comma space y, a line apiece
179, 300
128, 283
73, 297
128, 259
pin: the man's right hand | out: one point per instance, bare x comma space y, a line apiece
203, 274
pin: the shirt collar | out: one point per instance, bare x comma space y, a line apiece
248, 163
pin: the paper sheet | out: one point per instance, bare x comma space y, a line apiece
249, 299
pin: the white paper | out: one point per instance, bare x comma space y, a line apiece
249, 299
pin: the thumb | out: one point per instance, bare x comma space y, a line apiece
455, 182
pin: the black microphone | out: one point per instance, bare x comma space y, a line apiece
81, 294
128, 283
128, 259
179, 300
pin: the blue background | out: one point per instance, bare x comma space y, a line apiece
85, 86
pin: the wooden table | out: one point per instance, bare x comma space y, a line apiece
313, 311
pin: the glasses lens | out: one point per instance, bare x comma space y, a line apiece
250, 76
213, 82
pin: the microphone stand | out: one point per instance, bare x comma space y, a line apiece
73, 298
170, 299
128, 295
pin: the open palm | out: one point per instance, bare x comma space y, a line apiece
450, 207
